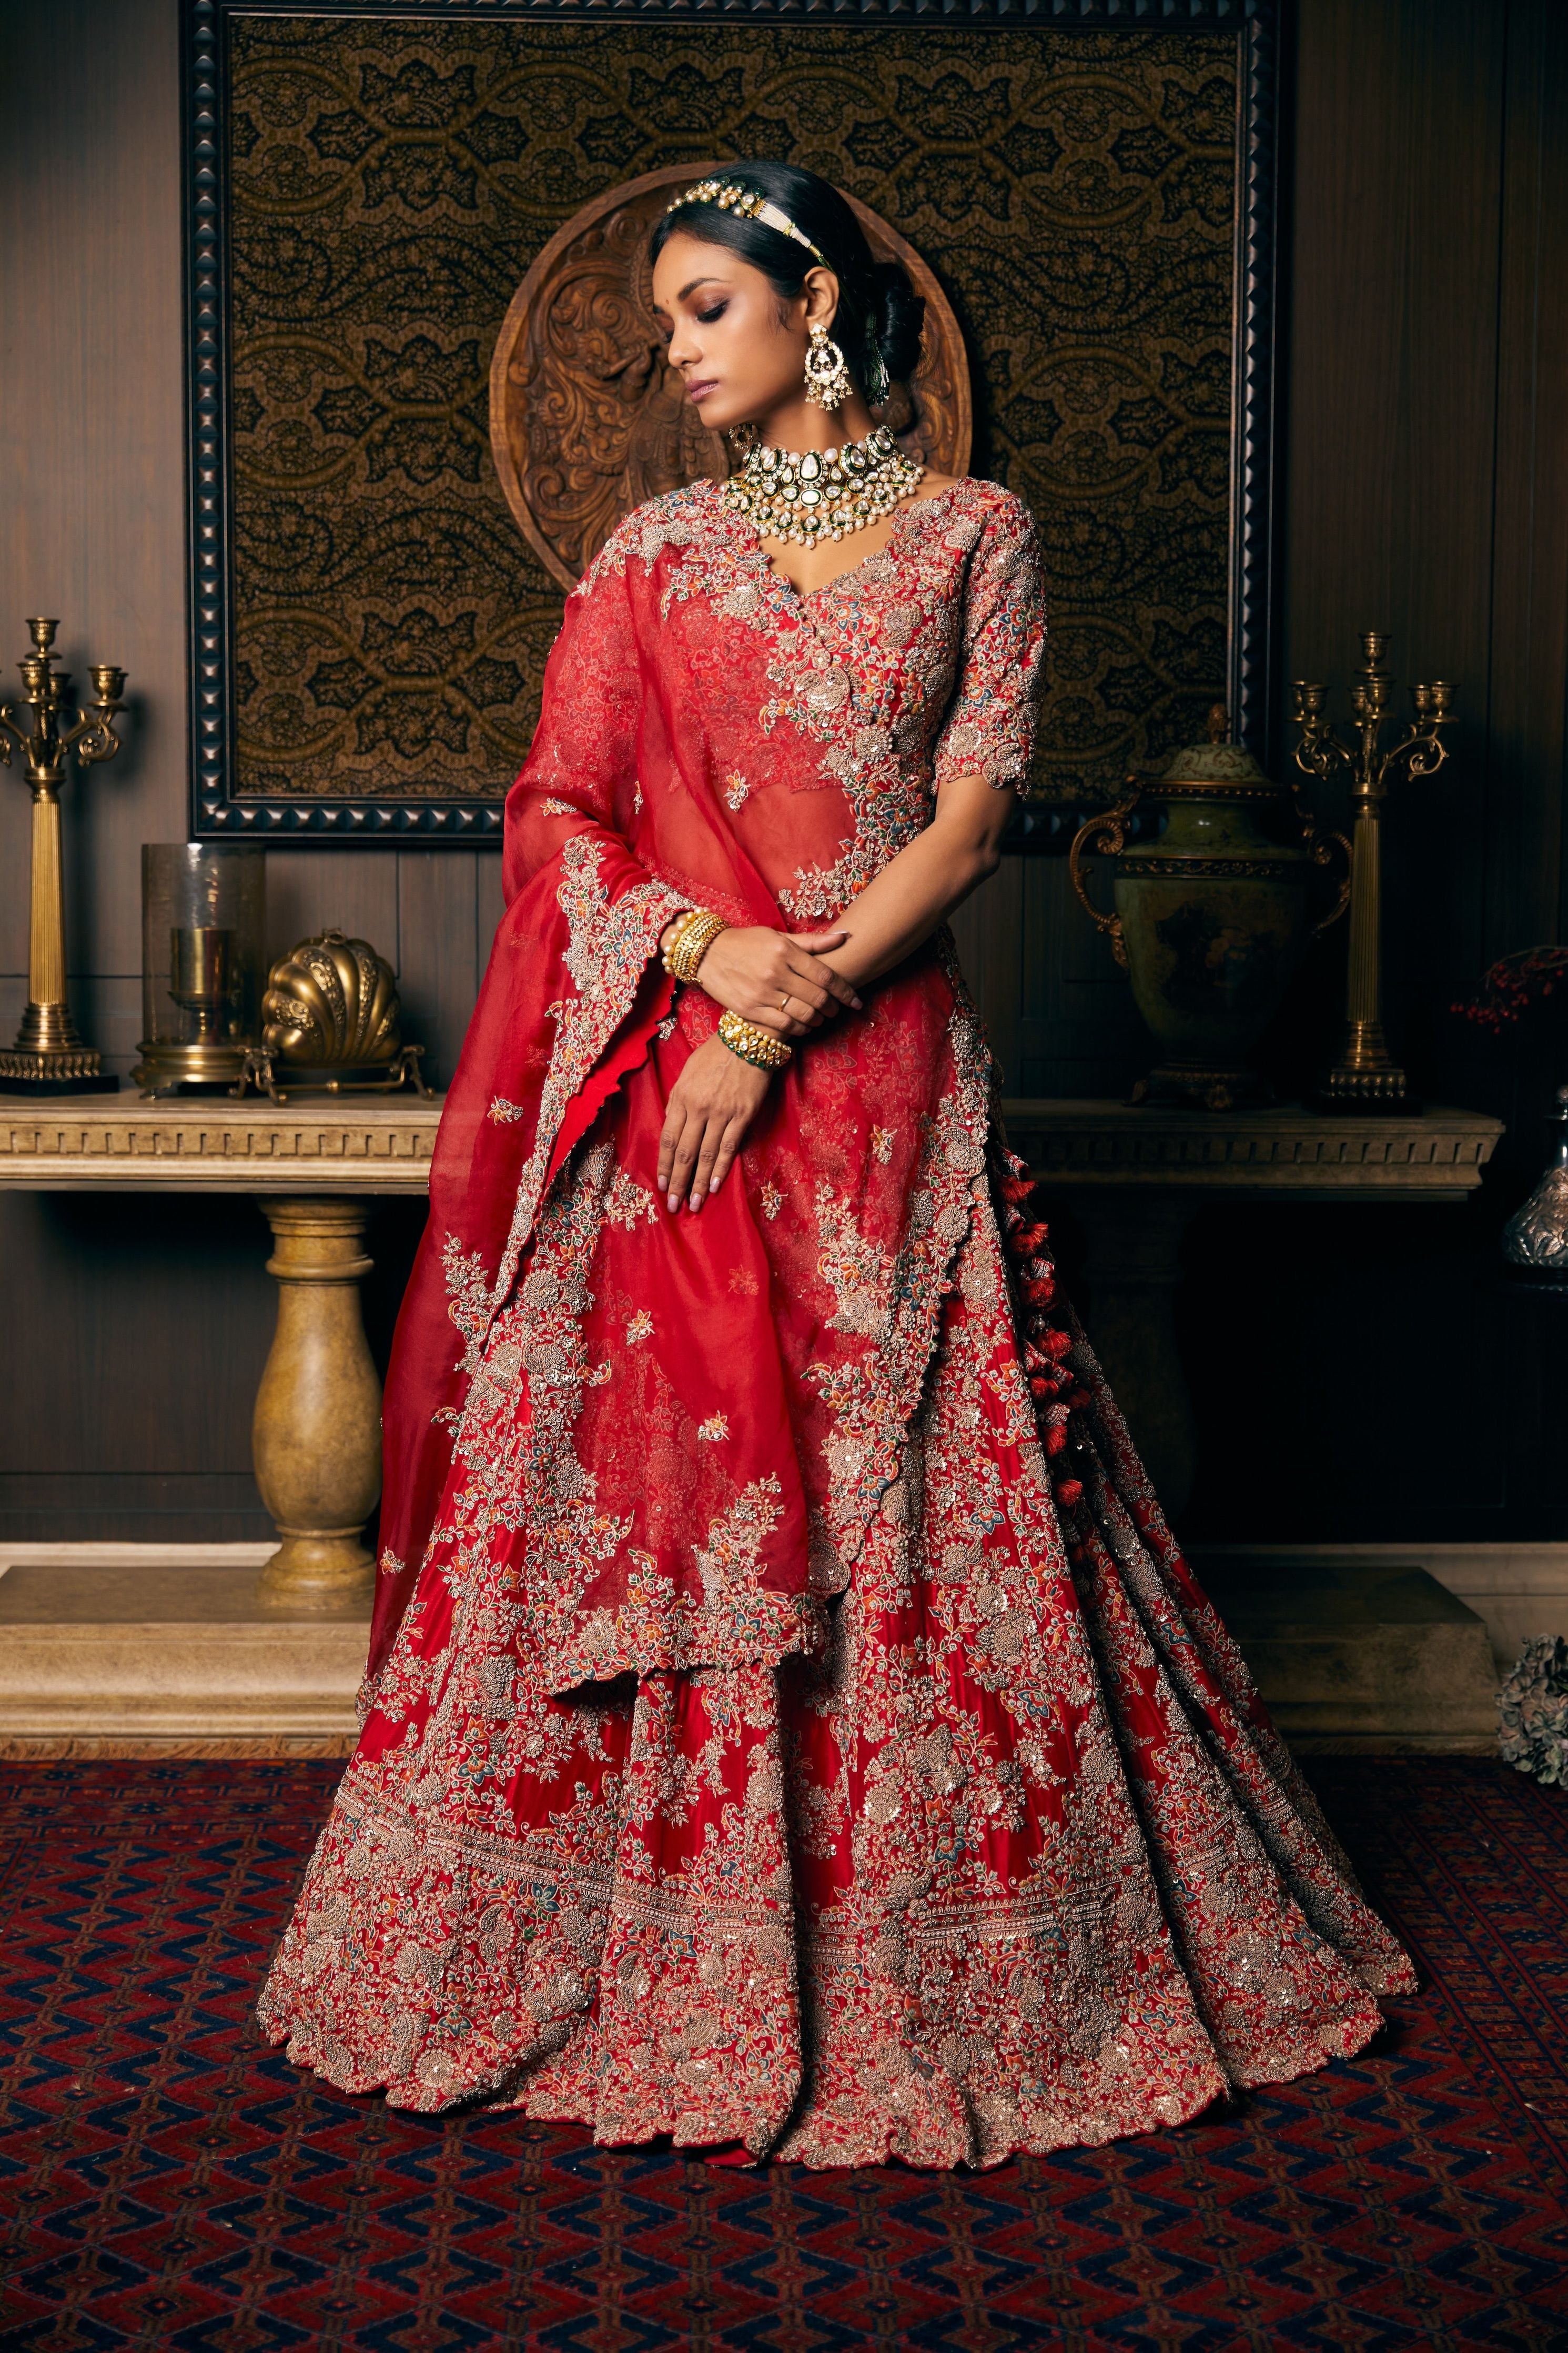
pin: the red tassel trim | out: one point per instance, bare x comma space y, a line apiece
1057, 1343
1056, 1438
1070, 1491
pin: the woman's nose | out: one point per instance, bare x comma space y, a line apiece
683, 347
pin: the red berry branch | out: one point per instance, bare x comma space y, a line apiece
1514, 984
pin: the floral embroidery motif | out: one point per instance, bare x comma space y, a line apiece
716, 1427
640, 1327
626, 1201
735, 789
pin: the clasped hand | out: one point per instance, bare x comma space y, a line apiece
776, 979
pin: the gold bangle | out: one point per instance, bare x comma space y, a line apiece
694, 935
758, 1047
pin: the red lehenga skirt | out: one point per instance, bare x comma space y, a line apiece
1015, 1861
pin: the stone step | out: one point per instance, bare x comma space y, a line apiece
145, 1650
1371, 1658
151, 1650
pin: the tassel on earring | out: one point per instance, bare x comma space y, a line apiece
827, 381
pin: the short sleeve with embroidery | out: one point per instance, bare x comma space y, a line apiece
990, 729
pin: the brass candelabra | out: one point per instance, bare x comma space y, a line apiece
50, 1057
1365, 1076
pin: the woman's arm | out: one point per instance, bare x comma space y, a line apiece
930, 877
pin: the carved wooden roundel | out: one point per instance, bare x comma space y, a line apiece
587, 420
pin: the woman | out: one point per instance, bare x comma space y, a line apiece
790, 1723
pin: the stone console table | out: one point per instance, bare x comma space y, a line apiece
127, 1649
312, 1168
1134, 1175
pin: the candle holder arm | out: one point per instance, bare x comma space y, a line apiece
1421, 753
93, 738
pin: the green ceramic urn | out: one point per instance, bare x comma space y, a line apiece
1211, 916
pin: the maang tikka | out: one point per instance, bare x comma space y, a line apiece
827, 381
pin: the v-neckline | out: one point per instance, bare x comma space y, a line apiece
800, 599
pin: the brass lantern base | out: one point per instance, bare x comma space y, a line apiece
166, 1068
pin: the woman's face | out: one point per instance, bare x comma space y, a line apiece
738, 345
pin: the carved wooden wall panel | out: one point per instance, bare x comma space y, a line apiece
389, 180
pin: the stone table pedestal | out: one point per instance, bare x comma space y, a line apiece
313, 1169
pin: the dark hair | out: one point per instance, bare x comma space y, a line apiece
879, 310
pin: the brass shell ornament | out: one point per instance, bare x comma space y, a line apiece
329, 1023
332, 1000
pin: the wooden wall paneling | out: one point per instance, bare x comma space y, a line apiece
90, 438
1078, 1032
349, 890
437, 933
1525, 836
1390, 421
136, 1331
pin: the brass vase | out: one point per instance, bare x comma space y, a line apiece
1211, 918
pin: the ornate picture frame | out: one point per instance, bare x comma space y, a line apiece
334, 698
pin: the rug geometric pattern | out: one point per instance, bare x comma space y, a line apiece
165, 2181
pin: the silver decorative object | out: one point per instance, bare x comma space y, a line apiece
1536, 1237
1532, 1711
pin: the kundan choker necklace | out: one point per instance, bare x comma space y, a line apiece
808, 495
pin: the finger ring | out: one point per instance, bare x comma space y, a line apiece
783, 1000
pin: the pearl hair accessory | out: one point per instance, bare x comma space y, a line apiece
731, 197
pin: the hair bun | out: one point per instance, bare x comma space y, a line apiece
897, 313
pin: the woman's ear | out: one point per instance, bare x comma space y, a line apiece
821, 289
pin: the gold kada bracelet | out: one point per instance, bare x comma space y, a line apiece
758, 1047
694, 933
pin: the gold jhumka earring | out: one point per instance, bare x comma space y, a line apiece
828, 383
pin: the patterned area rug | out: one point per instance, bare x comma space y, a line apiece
164, 2182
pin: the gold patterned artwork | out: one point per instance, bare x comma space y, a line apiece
392, 183
587, 417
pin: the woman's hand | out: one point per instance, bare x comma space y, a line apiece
712, 1104
777, 978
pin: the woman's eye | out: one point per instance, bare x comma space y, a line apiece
706, 317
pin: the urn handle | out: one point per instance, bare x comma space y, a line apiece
1102, 836
1323, 845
